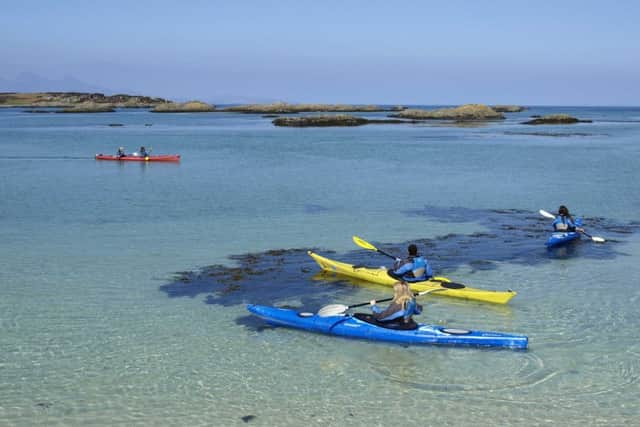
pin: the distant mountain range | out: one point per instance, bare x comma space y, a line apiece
30, 82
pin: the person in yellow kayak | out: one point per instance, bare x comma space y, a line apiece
565, 222
402, 307
413, 268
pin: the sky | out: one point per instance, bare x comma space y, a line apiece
360, 52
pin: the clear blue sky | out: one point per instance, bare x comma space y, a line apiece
404, 52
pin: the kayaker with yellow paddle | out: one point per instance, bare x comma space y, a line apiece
414, 268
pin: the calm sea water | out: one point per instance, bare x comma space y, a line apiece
97, 329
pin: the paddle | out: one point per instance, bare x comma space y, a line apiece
336, 309
444, 282
593, 238
366, 245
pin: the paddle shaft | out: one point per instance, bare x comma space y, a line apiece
367, 303
366, 245
391, 299
384, 253
587, 234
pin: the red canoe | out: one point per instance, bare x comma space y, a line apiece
158, 158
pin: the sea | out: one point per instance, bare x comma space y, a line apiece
124, 285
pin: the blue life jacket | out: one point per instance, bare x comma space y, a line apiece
406, 313
416, 270
412, 308
564, 223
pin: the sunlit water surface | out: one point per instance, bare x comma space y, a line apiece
123, 286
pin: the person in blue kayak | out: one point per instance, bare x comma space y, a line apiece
565, 222
413, 268
402, 307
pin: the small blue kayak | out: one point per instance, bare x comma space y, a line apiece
364, 326
561, 237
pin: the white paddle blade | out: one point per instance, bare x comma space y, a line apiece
598, 239
332, 310
429, 291
547, 214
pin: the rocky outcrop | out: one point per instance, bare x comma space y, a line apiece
88, 107
184, 107
320, 121
468, 112
508, 108
284, 108
555, 119
75, 99
333, 120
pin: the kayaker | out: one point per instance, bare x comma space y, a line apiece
564, 221
143, 152
403, 305
414, 268
121, 152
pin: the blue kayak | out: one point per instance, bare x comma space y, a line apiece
360, 326
561, 237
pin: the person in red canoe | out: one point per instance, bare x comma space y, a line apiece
121, 152
143, 152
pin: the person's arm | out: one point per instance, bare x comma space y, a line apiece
393, 311
418, 308
374, 308
404, 268
429, 270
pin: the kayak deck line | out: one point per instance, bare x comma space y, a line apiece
380, 276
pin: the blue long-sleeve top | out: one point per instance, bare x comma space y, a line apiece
396, 311
566, 221
413, 269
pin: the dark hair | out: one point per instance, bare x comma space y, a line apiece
413, 249
562, 210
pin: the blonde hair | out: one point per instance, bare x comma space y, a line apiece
402, 294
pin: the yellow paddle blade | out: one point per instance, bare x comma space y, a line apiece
363, 243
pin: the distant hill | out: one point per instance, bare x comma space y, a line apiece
30, 82
77, 100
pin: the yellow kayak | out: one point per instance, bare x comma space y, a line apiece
380, 276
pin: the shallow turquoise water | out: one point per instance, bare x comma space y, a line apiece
88, 336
